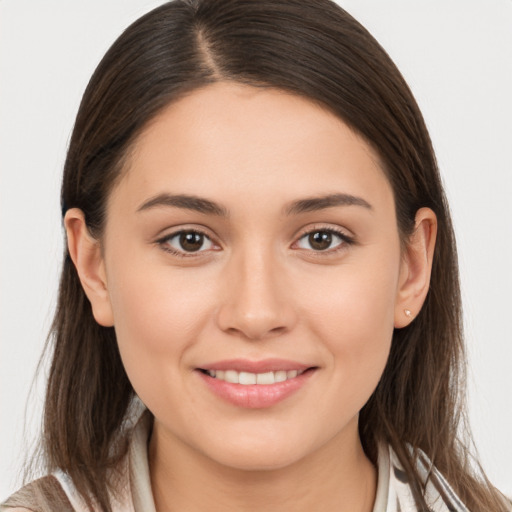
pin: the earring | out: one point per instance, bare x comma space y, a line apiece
408, 313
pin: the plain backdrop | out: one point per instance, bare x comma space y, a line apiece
456, 56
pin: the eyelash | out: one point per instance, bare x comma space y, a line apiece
345, 240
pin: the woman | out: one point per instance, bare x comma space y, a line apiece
259, 248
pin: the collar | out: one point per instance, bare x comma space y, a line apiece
394, 493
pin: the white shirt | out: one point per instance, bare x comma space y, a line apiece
393, 492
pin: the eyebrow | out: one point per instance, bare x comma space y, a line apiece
320, 203
187, 202
202, 205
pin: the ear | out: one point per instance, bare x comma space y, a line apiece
86, 253
416, 267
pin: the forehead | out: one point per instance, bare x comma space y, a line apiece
240, 142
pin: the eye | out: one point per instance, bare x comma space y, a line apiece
186, 242
322, 240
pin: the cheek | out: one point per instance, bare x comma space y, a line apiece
155, 305
353, 313
156, 322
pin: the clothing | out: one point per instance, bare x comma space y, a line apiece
393, 492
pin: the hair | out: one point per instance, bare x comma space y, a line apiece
316, 50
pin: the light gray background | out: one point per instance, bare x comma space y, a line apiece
456, 56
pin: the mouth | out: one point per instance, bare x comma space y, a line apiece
256, 385
249, 378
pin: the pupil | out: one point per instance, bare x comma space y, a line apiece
191, 241
320, 240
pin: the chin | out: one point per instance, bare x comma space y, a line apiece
259, 462
263, 456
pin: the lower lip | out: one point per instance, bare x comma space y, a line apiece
256, 396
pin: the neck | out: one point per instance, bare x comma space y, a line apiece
336, 477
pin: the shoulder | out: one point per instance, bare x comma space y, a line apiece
57, 492
42, 495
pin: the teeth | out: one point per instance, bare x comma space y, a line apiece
280, 376
247, 378
265, 378
231, 376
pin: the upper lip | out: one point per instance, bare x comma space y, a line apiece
262, 366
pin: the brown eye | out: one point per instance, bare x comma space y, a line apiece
191, 242
187, 242
322, 240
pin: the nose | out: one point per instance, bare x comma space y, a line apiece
255, 302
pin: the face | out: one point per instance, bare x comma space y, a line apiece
253, 263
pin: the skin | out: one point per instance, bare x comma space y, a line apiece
256, 289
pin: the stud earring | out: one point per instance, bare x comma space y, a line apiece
408, 313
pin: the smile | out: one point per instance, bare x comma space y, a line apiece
255, 385
247, 378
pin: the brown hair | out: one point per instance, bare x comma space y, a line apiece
314, 49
